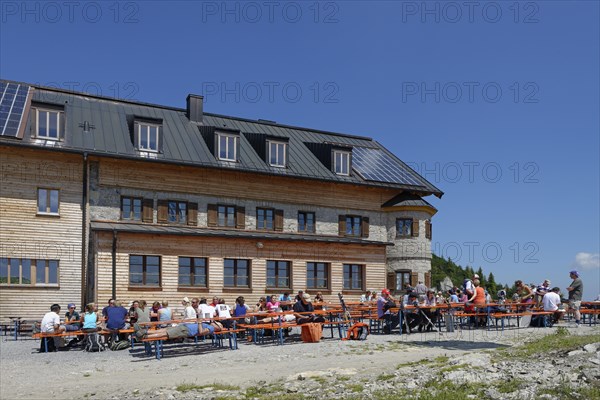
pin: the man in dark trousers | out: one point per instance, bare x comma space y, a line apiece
302, 308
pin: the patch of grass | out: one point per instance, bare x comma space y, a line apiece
567, 392
319, 379
456, 367
508, 386
87, 375
414, 363
441, 360
559, 341
187, 387
386, 377
256, 391
355, 388
435, 389
343, 378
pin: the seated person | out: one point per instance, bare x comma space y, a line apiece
541, 290
72, 319
223, 311
115, 317
412, 316
365, 297
384, 303
51, 324
111, 303
165, 313
431, 313
273, 304
206, 313
302, 308
551, 302
90, 319
180, 331
285, 301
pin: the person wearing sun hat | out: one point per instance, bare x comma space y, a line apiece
575, 294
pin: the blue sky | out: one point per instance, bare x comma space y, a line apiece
496, 103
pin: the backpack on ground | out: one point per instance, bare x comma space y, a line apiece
93, 343
358, 331
541, 321
119, 345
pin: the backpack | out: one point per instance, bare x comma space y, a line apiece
93, 343
541, 321
358, 331
119, 345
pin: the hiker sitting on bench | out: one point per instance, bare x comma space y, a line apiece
51, 324
384, 303
172, 332
305, 306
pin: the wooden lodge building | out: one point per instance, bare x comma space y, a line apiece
104, 198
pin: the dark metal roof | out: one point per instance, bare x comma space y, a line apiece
226, 233
184, 144
407, 200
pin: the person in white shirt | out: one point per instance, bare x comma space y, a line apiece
51, 324
188, 312
551, 302
206, 312
224, 311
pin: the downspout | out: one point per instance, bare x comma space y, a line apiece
114, 265
84, 229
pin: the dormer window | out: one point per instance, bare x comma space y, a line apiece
148, 136
227, 146
49, 123
277, 156
341, 162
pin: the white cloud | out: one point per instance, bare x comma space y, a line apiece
587, 261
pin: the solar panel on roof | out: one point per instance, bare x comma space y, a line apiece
376, 165
13, 98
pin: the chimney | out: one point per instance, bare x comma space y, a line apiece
194, 107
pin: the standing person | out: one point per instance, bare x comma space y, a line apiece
421, 291
384, 303
469, 287
551, 302
478, 300
575, 295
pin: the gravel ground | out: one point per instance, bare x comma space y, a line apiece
128, 374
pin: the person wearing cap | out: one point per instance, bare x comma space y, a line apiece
384, 303
188, 310
302, 308
551, 302
72, 318
575, 294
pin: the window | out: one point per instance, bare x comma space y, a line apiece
353, 277
131, 208
144, 270
402, 280
404, 227
226, 216
148, 136
278, 274
49, 124
317, 275
192, 271
24, 271
264, 218
306, 222
177, 212
48, 201
236, 273
341, 162
227, 149
353, 225
277, 157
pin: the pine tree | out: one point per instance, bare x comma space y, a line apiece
482, 279
491, 285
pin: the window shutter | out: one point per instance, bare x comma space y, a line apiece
160, 139
216, 145
192, 216
391, 281
414, 279
240, 217
415, 227
136, 135
212, 215
365, 227
148, 210
279, 220
428, 279
238, 139
342, 225
427, 229
163, 206
62, 126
